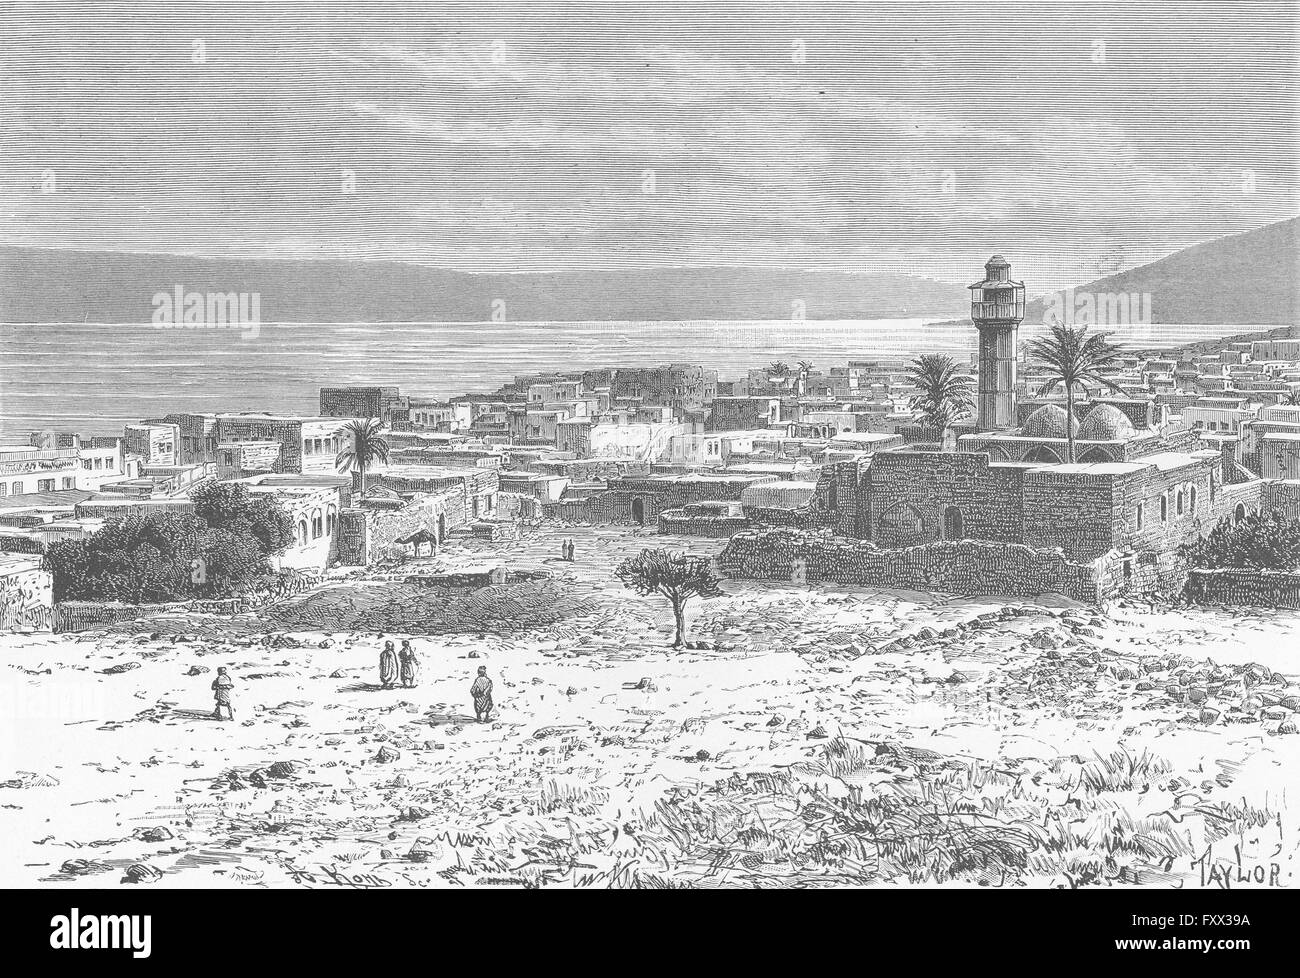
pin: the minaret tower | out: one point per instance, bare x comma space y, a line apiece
997, 305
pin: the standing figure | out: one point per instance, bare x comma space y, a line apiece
410, 664
221, 687
570, 549
482, 693
387, 666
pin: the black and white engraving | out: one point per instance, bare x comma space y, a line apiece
649, 446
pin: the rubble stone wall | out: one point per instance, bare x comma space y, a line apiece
1273, 589
681, 524
957, 567
911, 492
1282, 498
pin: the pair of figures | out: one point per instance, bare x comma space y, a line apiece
401, 665
566, 549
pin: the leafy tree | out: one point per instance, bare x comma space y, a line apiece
943, 393
1263, 542
231, 506
218, 550
778, 368
677, 576
368, 445
1074, 361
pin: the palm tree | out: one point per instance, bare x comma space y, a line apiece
1291, 399
942, 392
805, 368
778, 368
1074, 361
368, 446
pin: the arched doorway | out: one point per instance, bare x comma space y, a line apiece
952, 523
903, 524
1239, 513
638, 512
1095, 455
442, 527
1041, 453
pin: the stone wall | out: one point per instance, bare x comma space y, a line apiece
1273, 589
912, 491
385, 527
681, 523
640, 501
352, 538
1282, 498
27, 599
958, 567
76, 616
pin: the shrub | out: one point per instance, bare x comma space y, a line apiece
219, 550
1262, 542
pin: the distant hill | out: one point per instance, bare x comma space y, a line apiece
1247, 278
49, 285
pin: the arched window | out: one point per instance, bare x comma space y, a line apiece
1180, 502
1140, 515
1193, 499
302, 531
317, 524
1239, 513
1164, 508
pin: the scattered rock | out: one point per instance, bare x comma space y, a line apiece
156, 833
339, 674
77, 867
1043, 639
197, 670
120, 668
282, 769
817, 733
387, 755
776, 720
142, 873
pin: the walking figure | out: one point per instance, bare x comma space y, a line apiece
221, 687
482, 693
387, 666
409, 663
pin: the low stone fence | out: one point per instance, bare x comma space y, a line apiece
77, 616
956, 566
1273, 589
676, 522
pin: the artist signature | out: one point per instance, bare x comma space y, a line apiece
1225, 872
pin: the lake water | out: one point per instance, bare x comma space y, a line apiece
93, 378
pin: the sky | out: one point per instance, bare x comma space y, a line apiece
1077, 139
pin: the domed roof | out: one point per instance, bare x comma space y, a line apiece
1106, 422
1047, 422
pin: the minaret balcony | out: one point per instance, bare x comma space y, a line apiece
1014, 309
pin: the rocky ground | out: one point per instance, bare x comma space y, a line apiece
824, 736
